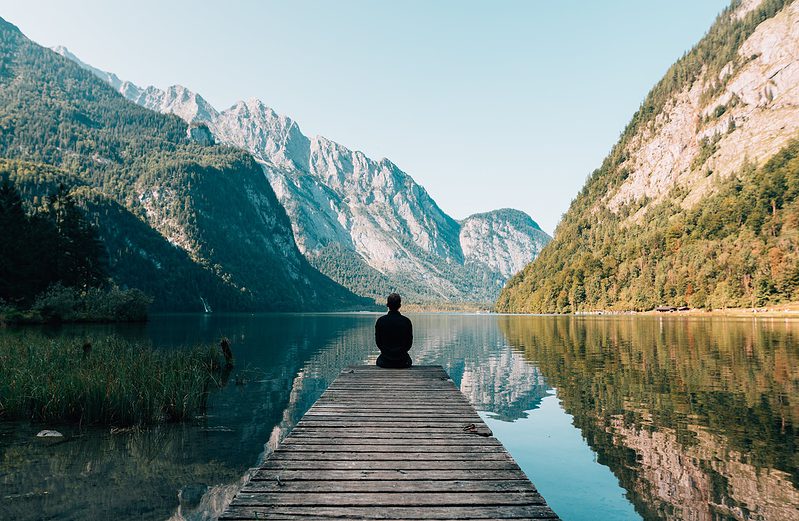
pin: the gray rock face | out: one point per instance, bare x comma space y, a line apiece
200, 134
502, 240
750, 119
366, 224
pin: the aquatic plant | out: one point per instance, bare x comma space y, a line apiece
109, 381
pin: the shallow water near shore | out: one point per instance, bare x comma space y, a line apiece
618, 417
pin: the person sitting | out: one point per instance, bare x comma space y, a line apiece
394, 336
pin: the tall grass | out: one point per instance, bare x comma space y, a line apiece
116, 383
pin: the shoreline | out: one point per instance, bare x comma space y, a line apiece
785, 311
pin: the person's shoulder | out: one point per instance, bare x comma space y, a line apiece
407, 320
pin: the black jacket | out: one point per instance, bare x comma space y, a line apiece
394, 337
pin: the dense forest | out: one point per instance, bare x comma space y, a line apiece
179, 219
54, 264
736, 247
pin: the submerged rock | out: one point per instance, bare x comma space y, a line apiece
191, 495
49, 434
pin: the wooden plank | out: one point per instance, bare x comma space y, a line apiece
390, 435
427, 457
381, 417
390, 475
358, 405
408, 512
274, 464
372, 425
338, 410
376, 486
424, 447
394, 444
452, 428
383, 444
388, 499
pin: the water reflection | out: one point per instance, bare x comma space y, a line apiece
697, 418
174, 471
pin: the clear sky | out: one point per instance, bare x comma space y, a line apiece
486, 104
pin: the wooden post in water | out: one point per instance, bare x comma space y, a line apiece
390, 444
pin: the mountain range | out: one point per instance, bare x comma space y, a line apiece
188, 223
362, 222
698, 202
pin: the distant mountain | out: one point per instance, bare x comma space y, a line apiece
182, 220
698, 202
365, 223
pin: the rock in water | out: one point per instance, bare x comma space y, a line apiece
49, 434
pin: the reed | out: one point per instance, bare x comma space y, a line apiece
109, 382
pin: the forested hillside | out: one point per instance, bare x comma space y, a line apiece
365, 223
697, 204
181, 220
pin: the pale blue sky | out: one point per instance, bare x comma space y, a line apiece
486, 104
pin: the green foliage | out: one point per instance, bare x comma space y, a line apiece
62, 304
179, 220
57, 245
738, 248
346, 268
79, 254
113, 382
707, 147
599, 260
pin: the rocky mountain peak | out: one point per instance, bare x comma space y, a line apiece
358, 219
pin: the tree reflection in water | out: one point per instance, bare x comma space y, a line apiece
696, 417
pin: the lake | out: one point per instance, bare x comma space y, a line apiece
619, 417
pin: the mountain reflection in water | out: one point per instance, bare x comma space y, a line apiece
695, 419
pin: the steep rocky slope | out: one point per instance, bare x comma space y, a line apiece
212, 203
696, 204
365, 223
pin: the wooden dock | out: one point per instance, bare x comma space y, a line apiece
390, 444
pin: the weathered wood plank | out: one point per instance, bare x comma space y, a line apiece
450, 428
388, 499
391, 475
274, 464
359, 405
401, 448
377, 486
388, 414
387, 422
396, 513
381, 417
301, 455
382, 444
354, 443
390, 435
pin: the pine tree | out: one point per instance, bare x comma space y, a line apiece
81, 258
13, 229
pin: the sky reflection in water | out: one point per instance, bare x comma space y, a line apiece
654, 418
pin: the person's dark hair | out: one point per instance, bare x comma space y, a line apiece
394, 301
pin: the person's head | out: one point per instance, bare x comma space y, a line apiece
394, 302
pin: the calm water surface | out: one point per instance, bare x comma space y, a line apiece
613, 418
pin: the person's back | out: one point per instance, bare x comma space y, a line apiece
394, 336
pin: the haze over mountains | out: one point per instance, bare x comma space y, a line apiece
184, 222
698, 203
364, 223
